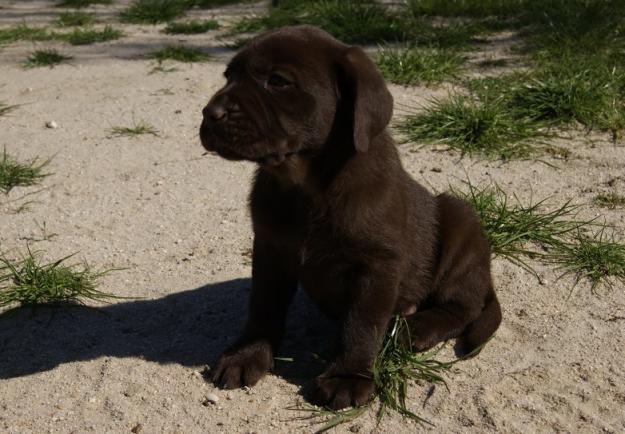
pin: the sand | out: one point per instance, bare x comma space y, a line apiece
175, 221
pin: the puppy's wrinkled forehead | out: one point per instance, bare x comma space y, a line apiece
302, 51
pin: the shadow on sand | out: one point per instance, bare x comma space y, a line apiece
190, 328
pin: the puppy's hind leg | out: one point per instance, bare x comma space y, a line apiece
443, 318
462, 303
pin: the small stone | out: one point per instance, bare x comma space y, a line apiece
355, 428
211, 398
137, 428
436, 169
52, 124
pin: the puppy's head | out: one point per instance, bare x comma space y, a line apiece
292, 91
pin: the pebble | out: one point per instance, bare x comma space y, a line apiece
52, 124
211, 398
137, 428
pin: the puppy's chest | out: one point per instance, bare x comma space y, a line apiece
326, 268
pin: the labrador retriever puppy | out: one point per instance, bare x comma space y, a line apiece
334, 211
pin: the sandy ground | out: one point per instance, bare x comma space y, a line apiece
176, 221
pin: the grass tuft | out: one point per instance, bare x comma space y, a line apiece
394, 368
23, 32
349, 20
82, 3
397, 365
191, 27
74, 18
154, 11
610, 200
516, 231
15, 174
28, 282
598, 257
91, 36
180, 53
136, 130
41, 58
472, 126
414, 66
466, 8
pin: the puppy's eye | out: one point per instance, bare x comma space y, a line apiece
278, 81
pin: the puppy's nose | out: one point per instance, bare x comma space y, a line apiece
215, 112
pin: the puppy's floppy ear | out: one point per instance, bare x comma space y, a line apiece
372, 102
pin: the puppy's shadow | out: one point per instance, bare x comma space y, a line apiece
190, 328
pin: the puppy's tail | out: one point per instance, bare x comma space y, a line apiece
477, 333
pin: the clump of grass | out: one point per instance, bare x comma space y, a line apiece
6, 108
598, 257
349, 20
556, 94
419, 65
180, 53
16, 174
469, 8
397, 365
28, 282
584, 27
23, 32
91, 36
394, 368
154, 11
82, 3
137, 129
516, 231
191, 27
41, 58
472, 127
74, 18
610, 200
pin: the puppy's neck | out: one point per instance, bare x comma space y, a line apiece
293, 172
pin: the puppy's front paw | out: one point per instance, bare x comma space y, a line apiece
339, 390
243, 365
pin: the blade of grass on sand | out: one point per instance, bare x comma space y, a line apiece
23, 32
610, 200
350, 21
5, 108
191, 27
395, 367
180, 53
16, 174
472, 127
29, 282
517, 231
136, 130
154, 11
42, 58
598, 258
414, 66
74, 18
91, 36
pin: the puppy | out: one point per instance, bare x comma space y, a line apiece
334, 211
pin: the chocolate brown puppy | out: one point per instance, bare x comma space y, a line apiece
334, 211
